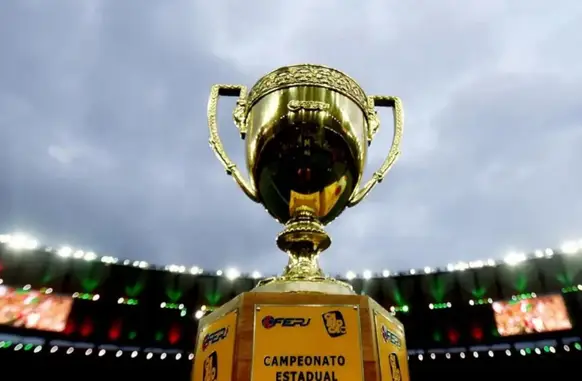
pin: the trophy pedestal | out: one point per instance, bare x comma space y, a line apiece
300, 337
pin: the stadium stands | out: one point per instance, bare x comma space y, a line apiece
512, 318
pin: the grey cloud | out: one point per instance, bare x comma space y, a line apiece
104, 137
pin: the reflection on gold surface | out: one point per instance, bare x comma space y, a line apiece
320, 202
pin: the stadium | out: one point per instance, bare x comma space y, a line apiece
115, 318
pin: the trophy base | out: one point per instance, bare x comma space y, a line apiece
300, 336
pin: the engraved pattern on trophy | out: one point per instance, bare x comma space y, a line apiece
308, 75
307, 129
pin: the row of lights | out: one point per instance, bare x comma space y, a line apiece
25, 242
87, 351
507, 352
178, 356
204, 309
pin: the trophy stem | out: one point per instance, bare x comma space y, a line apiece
303, 239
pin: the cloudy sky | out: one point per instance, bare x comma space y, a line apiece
103, 133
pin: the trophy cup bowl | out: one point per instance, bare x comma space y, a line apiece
307, 130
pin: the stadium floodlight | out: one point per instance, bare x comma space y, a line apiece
513, 259
570, 247
232, 274
65, 252
21, 241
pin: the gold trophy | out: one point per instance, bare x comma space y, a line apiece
307, 130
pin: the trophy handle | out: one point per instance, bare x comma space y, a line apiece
374, 123
239, 116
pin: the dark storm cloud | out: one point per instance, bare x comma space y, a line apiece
104, 137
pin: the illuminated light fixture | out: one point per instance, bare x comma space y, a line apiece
513, 258
526, 295
567, 290
176, 268
195, 270
571, 247
199, 314
175, 306
439, 306
175, 334
460, 266
367, 274
172, 306
350, 275
133, 354
477, 302
65, 252
219, 272
128, 301
232, 274
19, 241
256, 275
140, 264
109, 260
385, 273
403, 308
85, 296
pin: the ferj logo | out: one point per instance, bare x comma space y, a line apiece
214, 337
269, 322
210, 371
390, 337
334, 323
